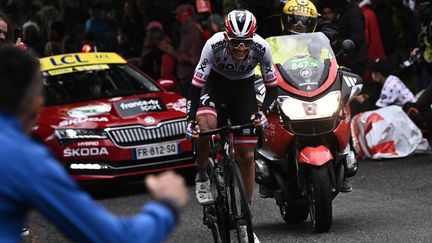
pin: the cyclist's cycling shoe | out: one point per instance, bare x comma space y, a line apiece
244, 236
203, 190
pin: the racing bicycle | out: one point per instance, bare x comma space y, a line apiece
230, 212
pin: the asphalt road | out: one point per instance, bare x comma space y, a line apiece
391, 202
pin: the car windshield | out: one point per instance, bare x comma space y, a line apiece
304, 60
82, 83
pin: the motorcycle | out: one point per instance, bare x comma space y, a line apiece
303, 155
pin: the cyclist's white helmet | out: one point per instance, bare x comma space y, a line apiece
240, 23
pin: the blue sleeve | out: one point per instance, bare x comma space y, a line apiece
51, 191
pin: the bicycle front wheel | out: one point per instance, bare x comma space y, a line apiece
218, 213
239, 206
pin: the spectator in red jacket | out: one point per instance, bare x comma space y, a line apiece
373, 36
191, 43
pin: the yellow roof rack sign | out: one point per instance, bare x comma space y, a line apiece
78, 59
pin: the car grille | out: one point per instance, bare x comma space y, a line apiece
138, 135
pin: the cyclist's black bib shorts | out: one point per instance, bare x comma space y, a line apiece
238, 104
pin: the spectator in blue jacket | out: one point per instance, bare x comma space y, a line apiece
31, 178
98, 24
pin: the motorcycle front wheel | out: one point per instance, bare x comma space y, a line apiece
320, 198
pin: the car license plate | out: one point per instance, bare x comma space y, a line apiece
156, 150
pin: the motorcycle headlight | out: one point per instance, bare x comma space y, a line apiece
324, 107
65, 134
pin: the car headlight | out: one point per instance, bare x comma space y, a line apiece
65, 134
324, 107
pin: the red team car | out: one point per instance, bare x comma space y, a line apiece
104, 119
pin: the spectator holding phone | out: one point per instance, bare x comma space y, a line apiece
4, 30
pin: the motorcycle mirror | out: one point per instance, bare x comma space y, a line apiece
347, 45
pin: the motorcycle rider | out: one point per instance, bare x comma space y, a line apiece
226, 71
301, 16
307, 16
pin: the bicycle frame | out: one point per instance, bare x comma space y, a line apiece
217, 216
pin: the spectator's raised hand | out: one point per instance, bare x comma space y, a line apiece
414, 52
20, 44
168, 185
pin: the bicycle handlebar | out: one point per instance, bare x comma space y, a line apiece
216, 131
226, 128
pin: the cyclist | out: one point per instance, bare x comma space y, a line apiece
226, 71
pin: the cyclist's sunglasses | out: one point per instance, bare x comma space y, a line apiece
236, 43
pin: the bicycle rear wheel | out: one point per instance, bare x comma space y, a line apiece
239, 206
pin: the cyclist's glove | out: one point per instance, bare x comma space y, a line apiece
263, 119
191, 127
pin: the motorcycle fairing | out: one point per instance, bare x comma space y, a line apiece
260, 89
277, 137
352, 85
342, 131
317, 156
307, 79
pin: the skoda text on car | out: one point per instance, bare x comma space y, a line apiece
104, 119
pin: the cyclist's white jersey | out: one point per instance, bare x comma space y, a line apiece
215, 56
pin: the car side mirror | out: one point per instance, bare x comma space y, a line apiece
168, 85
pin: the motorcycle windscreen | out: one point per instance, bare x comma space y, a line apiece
303, 60
305, 73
